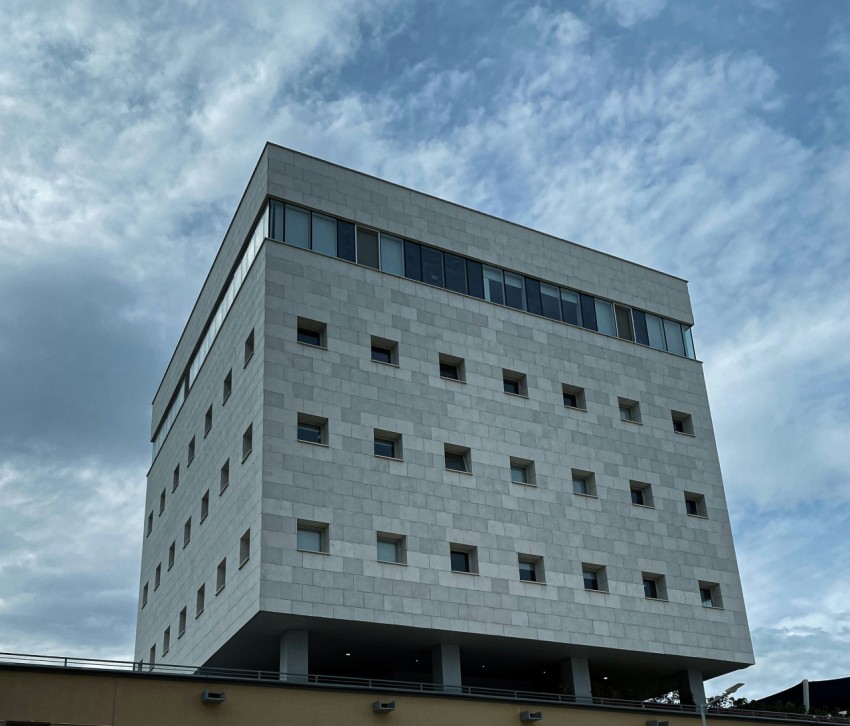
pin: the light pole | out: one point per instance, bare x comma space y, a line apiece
703, 707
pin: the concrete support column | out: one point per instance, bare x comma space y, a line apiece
445, 667
294, 656
691, 688
575, 674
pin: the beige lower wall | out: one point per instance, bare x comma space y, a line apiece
105, 699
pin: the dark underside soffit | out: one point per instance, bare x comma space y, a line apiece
404, 653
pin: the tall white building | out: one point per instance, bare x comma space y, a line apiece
404, 439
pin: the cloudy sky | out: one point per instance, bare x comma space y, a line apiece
708, 138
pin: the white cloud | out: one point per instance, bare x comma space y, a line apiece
778, 402
630, 12
793, 569
69, 556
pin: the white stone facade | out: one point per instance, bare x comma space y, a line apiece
345, 595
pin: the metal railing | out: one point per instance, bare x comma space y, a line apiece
385, 685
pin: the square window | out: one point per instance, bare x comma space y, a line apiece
247, 441
199, 600
187, 532
584, 483
457, 458
181, 623
384, 351
381, 354
150, 524
653, 586
249, 348
391, 548
145, 595
573, 397
220, 576
464, 558
311, 332
208, 420
384, 447
224, 479
451, 368
682, 423
190, 454
309, 337
227, 388
171, 551
311, 433
530, 568
594, 577
157, 576
695, 505
460, 561
312, 536
387, 444
205, 505
629, 410
175, 479
311, 429
522, 471
450, 371
709, 595
244, 548
162, 502
514, 383
641, 494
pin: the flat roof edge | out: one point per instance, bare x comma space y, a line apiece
270, 144
209, 272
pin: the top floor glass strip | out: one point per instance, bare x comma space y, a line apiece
327, 235
315, 231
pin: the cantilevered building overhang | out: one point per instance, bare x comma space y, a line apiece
402, 438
